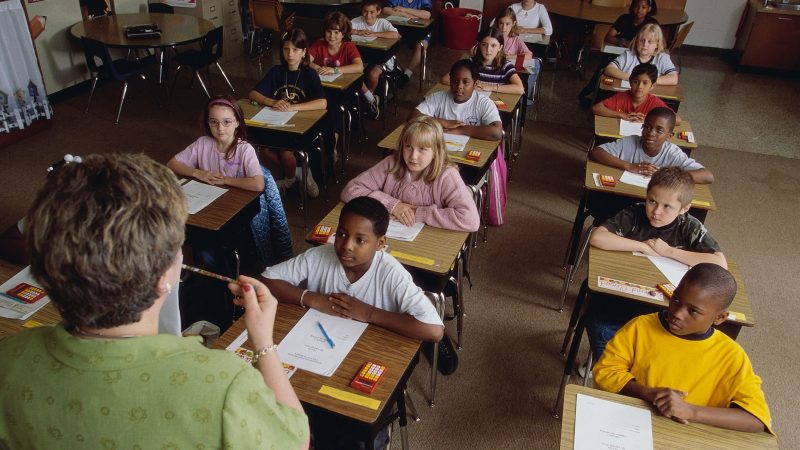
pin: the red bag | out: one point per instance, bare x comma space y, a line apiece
498, 173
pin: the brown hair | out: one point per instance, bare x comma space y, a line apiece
499, 60
423, 131
507, 12
337, 21
101, 233
298, 39
674, 179
241, 130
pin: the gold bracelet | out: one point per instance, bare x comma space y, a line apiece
264, 351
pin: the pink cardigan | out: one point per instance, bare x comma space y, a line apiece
445, 203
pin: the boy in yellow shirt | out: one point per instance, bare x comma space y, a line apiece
676, 360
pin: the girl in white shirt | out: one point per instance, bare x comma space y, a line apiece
532, 17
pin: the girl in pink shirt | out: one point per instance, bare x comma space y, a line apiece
418, 183
506, 23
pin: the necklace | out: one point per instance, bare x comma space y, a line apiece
77, 331
292, 97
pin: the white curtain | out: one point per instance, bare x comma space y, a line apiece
22, 94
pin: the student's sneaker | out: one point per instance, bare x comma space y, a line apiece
311, 188
374, 108
581, 369
448, 358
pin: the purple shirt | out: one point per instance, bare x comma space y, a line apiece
202, 154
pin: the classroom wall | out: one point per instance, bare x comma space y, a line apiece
715, 22
60, 55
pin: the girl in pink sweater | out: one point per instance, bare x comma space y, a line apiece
418, 183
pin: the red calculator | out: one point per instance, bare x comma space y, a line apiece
473, 155
27, 293
368, 377
321, 234
608, 180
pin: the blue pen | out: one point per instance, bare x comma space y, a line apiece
325, 333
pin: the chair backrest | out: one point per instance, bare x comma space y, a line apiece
266, 15
681, 36
212, 45
160, 8
615, 3
94, 50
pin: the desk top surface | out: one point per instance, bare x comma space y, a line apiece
381, 43
586, 11
413, 23
300, 123
47, 315
667, 434
214, 216
625, 266
609, 127
672, 92
434, 250
487, 149
176, 29
343, 81
377, 344
702, 192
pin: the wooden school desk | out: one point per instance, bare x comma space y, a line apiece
667, 433
47, 315
299, 134
398, 353
594, 196
474, 173
606, 129
627, 267
417, 28
340, 90
672, 95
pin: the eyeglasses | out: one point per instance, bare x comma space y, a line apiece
658, 131
225, 122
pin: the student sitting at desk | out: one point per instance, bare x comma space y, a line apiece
532, 17
495, 73
506, 23
418, 183
624, 29
420, 40
291, 86
646, 154
105, 240
634, 104
356, 279
677, 361
369, 24
648, 47
461, 110
659, 227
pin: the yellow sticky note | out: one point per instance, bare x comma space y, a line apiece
350, 397
407, 257
701, 203
31, 324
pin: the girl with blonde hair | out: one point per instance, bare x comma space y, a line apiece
648, 46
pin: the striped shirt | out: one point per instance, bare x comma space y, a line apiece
487, 74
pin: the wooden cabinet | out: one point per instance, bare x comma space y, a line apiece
769, 40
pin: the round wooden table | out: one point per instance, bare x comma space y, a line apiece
176, 29
587, 12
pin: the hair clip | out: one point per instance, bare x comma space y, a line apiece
67, 159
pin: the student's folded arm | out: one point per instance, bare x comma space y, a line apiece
389, 11
254, 183
284, 291
460, 212
602, 110
612, 36
600, 155
491, 132
419, 13
370, 183
514, 86
445, 79
180, 168
691, 258
702, 176
261, 99
613, 71
604, 239
678, 119
407, 325
670, 79
388, 34
733, 418
311, 105
357, 66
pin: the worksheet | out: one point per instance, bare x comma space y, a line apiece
455, 142
359, 38
403, 233
270, 116
634, 179
606, 425
199, 195
672, 269
627, 128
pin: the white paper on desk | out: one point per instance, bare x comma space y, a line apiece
627, 128
398, 19
359, 38
606, 425
613, 49
403, 233
306, 348
531, 38
14, 309
624, 84
199, 195
329, 78
672, 269
270, 116
455, 142
634, 179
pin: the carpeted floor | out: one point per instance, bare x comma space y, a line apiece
502, 394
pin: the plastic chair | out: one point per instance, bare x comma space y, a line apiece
678, 42
266, 15
120, 69
210, 53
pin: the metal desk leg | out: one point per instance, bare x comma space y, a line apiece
412, 409
570, 365
303, 188
360, 116
577, 226
459, 300
573, 267
573, 318
423, 73
323, 155
401, 409
438, 301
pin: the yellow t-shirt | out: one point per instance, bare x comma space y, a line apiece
715, 371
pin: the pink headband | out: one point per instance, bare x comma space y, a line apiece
221, 101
